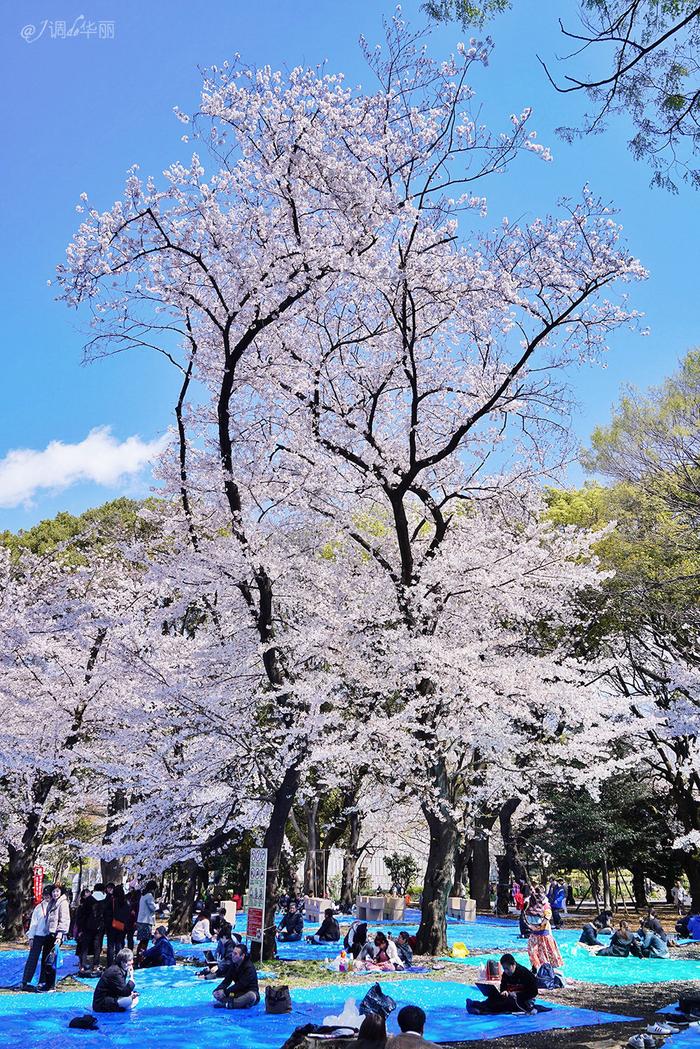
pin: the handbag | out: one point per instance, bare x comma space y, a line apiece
278, 999
119, 926
376, 1001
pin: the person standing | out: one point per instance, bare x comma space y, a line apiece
541, 945
116, 917
133, 898
146, 918
678, 896
57, 926
88, 920
36, 935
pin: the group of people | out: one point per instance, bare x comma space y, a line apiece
105, 914
649, 941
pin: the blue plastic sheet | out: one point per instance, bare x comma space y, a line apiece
612, 972
176, 1012
12, 966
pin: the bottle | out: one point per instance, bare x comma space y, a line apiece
343, 962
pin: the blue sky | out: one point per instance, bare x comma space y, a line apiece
76, 113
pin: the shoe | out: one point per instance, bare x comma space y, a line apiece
636, 1042
662, 1029
649, 1041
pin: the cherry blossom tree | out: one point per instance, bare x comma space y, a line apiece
353, 350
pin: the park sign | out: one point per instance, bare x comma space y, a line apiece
257, 881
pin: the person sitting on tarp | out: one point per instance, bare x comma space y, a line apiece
356, 937
653, 923
405, 951
291, 927
161, 953
589, 935
623, 942
653, 945
516, 994
239, 988
115, 991
604, 920
328, 930
689, 925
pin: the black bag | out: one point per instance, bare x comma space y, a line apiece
278, 999
84, 1023
690, 1005
298, 1035
375, 1001
548, 978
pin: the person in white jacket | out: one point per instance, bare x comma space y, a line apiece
57, 926
36, 935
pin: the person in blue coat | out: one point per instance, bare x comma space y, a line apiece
161, 953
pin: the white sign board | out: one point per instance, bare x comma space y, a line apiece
257, 882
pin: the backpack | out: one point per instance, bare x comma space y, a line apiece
548, 978
690, 1005
493, 970
278, 999
84, 1023
375, 1001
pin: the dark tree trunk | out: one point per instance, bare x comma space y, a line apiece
462, 864
691, 866
480, 873
608, 901
20, 873
273, 842
113, 869
639, 889
510, 862
311, 871
432, 931
184, 892
480, 866
350, 860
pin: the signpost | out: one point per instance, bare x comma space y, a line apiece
38, 884
257, 882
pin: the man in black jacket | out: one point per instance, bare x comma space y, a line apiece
115, 991
239, 988
516, 994
291, 927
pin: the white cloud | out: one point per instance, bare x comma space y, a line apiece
99, 458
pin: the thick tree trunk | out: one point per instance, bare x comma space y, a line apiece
691, 866
113, 869
432, 931
480, 866
184, 892
20, 873
311, 870
350, 860
273, 842
639, 889
510, 862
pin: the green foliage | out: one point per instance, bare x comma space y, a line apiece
402, 870
626, 825
81, 536
464, 12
